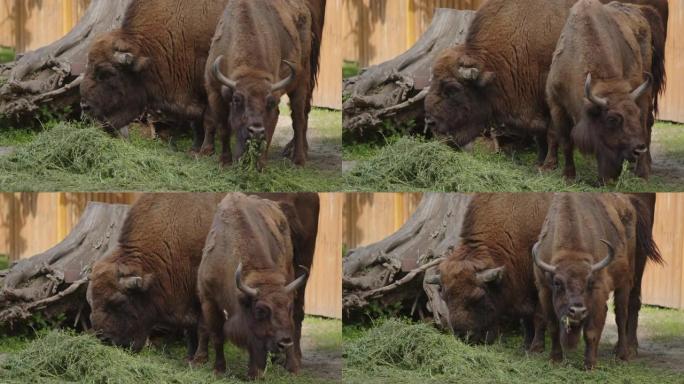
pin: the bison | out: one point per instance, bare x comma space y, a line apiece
253, 274
262, 50
148, 282
154, 62
498, 76
600, 89
592, 245
489, 277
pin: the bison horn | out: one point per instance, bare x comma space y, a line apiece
490, 275
247, 290
286, 82
133, 283
607, 260
601, 102
220, 77
637, 93
124, 58
297, 283
540, 263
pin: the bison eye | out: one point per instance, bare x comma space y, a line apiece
238, 99
451, 88
270, 103
614, 121
557, 284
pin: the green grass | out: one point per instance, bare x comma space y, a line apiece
401, 352
4, 262
349, 69
6, 55
75, 156
414, 164
62, 356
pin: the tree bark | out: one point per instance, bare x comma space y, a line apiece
52, 285
49, 77
393, 91
396, 269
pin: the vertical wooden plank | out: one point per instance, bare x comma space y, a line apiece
672, 101
324, 289
328, 93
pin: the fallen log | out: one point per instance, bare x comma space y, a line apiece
51, 286
393, 92
397, 269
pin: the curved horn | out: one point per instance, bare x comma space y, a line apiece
124, 58
297, 283
284, 83
490, 275
607, 260
247, 290
601, 102
220, 77
540, 263
637, 93
132, 283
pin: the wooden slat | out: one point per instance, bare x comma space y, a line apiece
328, 93
672, 102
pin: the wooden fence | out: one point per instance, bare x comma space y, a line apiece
377, 30
30, 24
372, 217
31, 223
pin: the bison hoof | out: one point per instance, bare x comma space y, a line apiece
548, 167
536, 348
197, 361
206, 151
226, 161
570, 175
589, 365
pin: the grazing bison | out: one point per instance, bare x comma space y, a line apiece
149, 281
262, 50
592, 245
489, 278
253, 274
498, 76
600, 89
154, 62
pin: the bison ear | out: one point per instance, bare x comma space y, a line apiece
492, 275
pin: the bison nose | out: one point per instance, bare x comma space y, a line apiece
285, 342
256, 131
578, 312
640, 150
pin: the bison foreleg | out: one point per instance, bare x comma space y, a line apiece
621, 298
257, 361
592, 334
301, 106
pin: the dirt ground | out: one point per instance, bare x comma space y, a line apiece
319, 361
325, 153
654, 350
669, 166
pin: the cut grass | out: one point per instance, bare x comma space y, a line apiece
63, 356
69, 156
6, 55
401, 352
4, 262
413, 164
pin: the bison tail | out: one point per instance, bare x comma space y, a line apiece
644, 232
659, 34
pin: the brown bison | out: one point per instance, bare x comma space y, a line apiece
262, 50
253, 274
149, 281
489, 278
498, 76
154, 62
600, 89
592, 245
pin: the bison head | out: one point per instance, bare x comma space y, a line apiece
457, 105
253, 103
573, 286
122, 310
471, 289
113, 91
268, 308
612, 126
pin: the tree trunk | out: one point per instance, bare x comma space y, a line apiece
51, 286
49, 77
393, 91
395, 270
